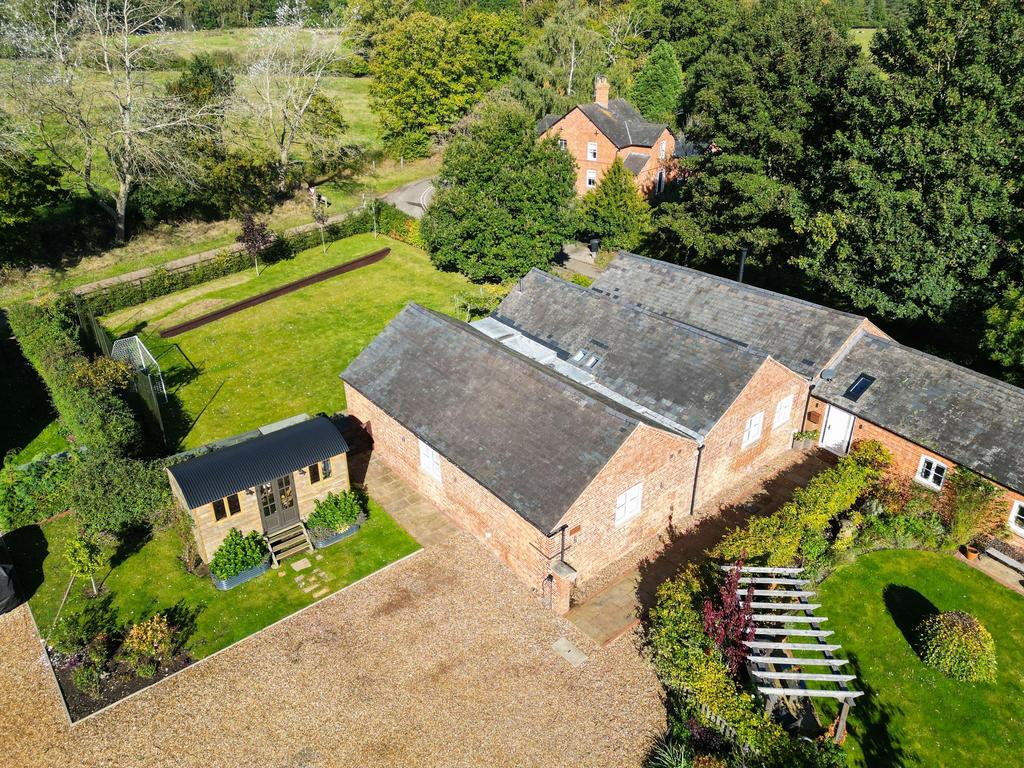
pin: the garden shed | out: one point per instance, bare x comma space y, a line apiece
265, 481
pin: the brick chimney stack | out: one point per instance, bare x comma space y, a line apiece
601, 89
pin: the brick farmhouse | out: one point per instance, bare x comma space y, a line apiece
596, 134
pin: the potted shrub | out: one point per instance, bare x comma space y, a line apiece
335, 517
238, 559
808, 438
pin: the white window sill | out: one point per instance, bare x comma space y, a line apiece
926, 484
626, 521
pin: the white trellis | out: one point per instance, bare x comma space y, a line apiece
779, 601
134, 352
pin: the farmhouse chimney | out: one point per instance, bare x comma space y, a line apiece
601, 88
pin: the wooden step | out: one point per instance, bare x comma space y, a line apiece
300, 546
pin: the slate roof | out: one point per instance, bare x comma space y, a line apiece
635, 162
530, 436
243, 465
686, 375
623, 125
546, 122
962, 415
801, 335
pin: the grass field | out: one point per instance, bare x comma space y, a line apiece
863, 37
911, 714
152, 579
280, 358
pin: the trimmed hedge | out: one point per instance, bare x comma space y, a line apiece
95, 416
800, 525
956, 644
390, 221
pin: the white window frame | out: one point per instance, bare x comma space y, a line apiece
1017, 510
929, 482
430, 461
591, 179
783, 411
563, 144
753, 429
661, 151
629, 504
592, 151
660, 184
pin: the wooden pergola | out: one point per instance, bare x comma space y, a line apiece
785, 625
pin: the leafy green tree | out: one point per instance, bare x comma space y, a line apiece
505, 200
204, 81
111, 494
84, 557
695, 26
1004, 334
922, 205
27, 186
658, 85
428, 73
614, 210
762, 97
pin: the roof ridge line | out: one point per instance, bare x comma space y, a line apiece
747, 286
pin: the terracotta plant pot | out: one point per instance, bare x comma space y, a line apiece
971, 552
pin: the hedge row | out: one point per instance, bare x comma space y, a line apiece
95, 416
389, 220
779, 538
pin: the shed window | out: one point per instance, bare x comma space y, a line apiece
325, 469
783, 411
931, 472
314, 473
1017, 518
591, 150
233, 506
219, 512
627, 505
430, 462
752, 431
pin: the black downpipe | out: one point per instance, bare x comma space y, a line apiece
696, 474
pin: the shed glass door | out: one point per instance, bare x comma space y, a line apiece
278, 505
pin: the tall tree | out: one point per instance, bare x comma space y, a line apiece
505, 200
89, 103
762, 98
695, 26
1004, 334
923, 204
614, 210
658, 85
428, 73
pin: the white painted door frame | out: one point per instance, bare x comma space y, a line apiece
837, 430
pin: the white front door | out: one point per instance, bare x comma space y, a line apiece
838, 429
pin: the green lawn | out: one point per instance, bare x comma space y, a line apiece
152, 579
911, 714
863, 37
282, 357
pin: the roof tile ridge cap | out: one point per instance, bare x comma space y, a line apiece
1011, 388
746, 286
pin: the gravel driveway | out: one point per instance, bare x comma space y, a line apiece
443, 659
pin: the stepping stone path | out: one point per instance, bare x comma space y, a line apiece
313, 581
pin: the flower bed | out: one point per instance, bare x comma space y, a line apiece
325, 540
240, 578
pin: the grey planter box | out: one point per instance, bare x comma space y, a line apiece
333, 538
225, 584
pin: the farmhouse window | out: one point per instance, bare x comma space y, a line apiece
591, 150
430, 462
591, 179
783, 411
752, 431
1017, 517
931, 472
627, 505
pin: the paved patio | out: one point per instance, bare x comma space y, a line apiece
621, 605
442, 659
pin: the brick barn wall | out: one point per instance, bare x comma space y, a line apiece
906, 454
516, 543
724, 457
646, 180
664, 463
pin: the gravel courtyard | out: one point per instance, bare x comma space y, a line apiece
440, 660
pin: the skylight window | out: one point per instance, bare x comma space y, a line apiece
859, 387
578, 357
592, 361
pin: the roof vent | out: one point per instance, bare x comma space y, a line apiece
828, 374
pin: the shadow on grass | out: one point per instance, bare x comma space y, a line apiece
908, 608
28, 549
183, 618
870, 723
